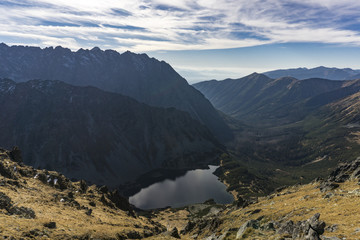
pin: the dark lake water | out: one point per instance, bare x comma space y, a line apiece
195, 186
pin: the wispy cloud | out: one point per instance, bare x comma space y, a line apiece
149, 25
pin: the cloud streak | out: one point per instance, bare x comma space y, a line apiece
150, 25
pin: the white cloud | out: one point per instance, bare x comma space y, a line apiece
162, 25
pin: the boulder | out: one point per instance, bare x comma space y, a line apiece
174, 233
251, 223
23, 212
50, 225
83, 186
188, 228
316, 224
15, 155
328, 186
7, 172
5, 201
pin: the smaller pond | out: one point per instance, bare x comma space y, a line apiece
195, 186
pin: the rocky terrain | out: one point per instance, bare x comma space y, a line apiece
136, 75
41, 204
102, 137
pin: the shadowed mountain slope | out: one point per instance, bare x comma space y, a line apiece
105, 138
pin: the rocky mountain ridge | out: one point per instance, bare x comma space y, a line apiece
146, 79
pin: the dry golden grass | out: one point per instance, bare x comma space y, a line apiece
299, 203
103, 222
71, 221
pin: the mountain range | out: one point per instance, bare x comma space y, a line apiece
135, 75
259, 99
318, 72
102, 137
286, 130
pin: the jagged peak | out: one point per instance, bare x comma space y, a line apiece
96, 49
3, 45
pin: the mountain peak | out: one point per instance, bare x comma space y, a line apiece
3, 45
258, 76
96, 49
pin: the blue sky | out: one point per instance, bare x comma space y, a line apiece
203, 39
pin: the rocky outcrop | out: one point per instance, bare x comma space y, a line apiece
310, 229
174, 233
6, 204
249, 224
344, 172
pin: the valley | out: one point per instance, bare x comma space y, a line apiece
286, 130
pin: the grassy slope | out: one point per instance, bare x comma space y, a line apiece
104, 222
299, 203
295, 203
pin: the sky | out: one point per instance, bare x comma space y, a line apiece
203, 39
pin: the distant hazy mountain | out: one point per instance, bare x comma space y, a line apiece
318, 72
136, 75
258, 98
357, 76
102, 137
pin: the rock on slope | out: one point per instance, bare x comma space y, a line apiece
136, 75
102, 137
